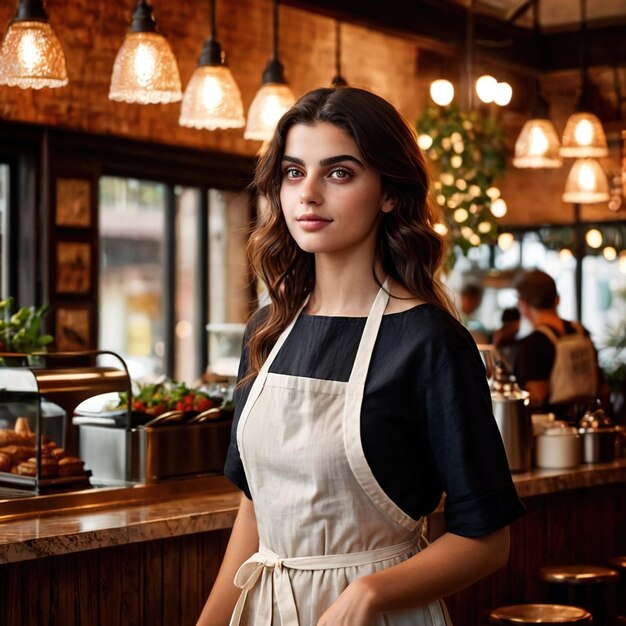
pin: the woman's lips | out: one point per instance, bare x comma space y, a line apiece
311, 222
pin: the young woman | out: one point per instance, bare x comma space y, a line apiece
361, 398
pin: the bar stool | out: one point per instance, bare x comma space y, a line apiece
619, 563
546, 614
589, 586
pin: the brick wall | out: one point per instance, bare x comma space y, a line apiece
92, 31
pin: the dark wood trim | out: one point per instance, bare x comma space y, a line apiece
169, 282
434, 24
203, 302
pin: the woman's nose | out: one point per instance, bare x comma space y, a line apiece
309, 192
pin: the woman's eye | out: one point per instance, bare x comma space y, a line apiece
341, 174
292, 172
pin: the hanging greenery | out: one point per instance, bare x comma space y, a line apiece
467, 152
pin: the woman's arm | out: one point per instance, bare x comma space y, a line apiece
243, 543
448, 564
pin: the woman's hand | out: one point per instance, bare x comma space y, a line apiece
353, 607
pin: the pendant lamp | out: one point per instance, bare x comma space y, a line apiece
537, 146
31, 56
145, 70
212, 99
583, 135
586, 183
274, 97
338, 80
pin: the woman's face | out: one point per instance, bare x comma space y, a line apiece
330, 197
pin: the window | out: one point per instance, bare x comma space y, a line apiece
172, 261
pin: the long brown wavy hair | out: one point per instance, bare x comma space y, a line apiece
408, 248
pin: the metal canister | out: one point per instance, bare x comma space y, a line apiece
511, 408
599, 437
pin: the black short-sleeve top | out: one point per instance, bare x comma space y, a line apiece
427, 425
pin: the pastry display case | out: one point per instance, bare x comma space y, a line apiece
36, 451
77, 420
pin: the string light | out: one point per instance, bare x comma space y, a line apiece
442, 92
505, 241
593, 237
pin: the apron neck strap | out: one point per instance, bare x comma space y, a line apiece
370, 332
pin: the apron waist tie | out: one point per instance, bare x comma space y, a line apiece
249, 573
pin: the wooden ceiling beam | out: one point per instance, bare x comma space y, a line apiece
443, 24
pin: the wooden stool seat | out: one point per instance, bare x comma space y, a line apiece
578, 574
540, 614
590, 586
619, 562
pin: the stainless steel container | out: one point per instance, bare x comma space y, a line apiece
147, 454
511, 408
599, 437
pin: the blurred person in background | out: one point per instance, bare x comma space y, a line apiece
558, 363
505, 338
470, 299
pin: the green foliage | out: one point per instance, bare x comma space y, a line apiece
614, 349
467, 153
21, 331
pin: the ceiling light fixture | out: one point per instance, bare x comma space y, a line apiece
586, 183
442, 92
145, 70
338, 80
504, 93
31, 56
486, 87
273, 98
583, 135
538, 145
212, 98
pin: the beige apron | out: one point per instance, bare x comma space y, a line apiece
323, 520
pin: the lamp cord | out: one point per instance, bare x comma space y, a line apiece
338, 48
212, 20
469, 54
275, 34
583, 53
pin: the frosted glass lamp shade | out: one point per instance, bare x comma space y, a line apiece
537, 146
31, 56
145, 71
212, 100
586, 183
584, 137
268, 106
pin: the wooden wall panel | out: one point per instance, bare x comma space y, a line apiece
579, 526
157, 583
165, 582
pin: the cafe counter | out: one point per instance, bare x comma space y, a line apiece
148, 554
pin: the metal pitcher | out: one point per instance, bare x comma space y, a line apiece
511, 408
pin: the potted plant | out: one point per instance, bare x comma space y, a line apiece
20, 332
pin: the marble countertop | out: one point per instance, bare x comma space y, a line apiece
191, 511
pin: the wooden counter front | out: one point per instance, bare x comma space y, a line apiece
154, 562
